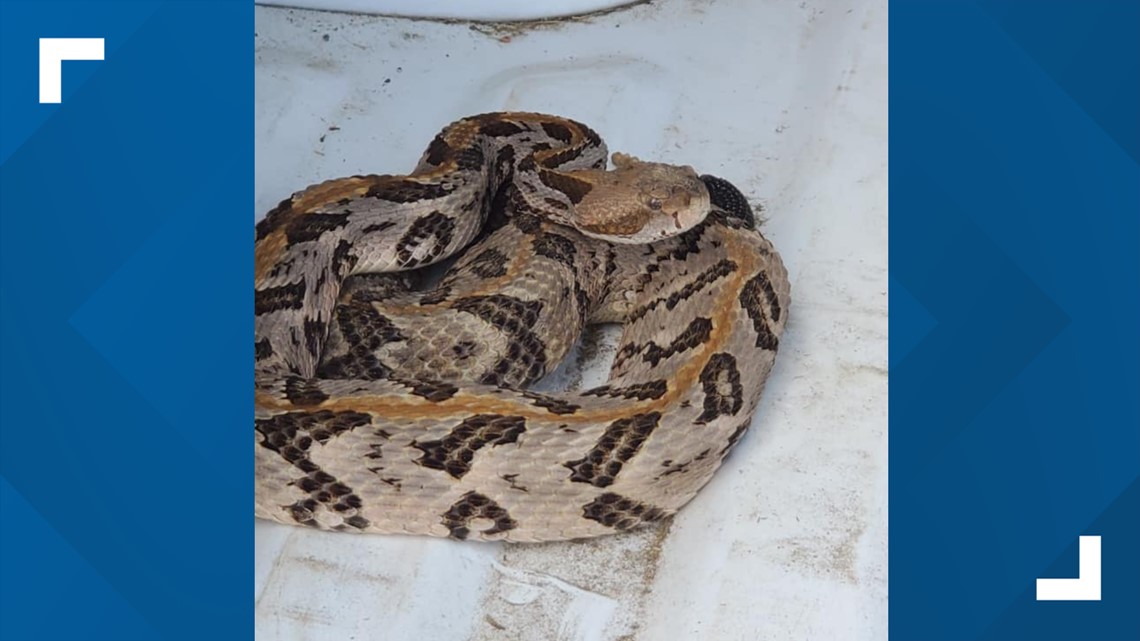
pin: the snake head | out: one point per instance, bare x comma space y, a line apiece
641, 202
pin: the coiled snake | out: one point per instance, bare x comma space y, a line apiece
380, 408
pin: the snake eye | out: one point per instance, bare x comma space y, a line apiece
654, 204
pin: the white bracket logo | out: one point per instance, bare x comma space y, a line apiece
1086, 587
53, 51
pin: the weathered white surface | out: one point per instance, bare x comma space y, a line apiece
786, 100
457, 9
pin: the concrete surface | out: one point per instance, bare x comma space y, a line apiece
787, 100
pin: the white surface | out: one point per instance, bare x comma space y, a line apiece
786, 100
457, 9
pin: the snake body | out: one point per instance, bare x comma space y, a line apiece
384, 409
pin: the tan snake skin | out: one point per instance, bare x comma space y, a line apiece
380, 408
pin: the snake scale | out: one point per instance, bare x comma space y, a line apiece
385, 407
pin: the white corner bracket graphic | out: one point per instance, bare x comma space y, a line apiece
53, 51
1086, 587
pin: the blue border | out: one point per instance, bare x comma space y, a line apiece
1015, 316
125, 241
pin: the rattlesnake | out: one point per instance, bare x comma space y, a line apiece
384, 409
